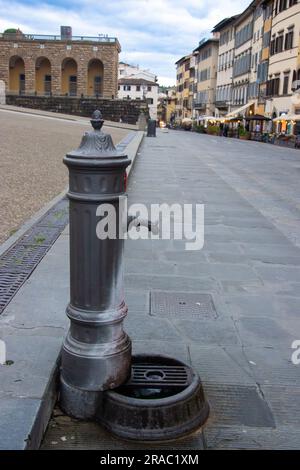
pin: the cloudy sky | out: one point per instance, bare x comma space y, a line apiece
152, 33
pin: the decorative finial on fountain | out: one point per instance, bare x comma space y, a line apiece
97, 120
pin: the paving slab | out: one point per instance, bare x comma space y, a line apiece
246, 438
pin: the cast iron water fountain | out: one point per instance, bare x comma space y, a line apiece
141, 397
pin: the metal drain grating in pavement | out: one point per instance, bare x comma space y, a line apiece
22, 258
41, 236
182, 304
9, 285
57, 216
18, 262
149, 375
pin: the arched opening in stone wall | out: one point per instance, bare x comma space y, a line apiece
69, 77
43, 76
16, 75
95, 78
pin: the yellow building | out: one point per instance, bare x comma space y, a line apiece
262, 71
206, 55
183, 94
171, 105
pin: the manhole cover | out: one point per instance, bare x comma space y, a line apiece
182, 304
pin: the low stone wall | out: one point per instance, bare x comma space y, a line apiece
112, 110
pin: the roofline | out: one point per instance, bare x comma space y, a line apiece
185, 57
135, 80
223, 23
205, 43
250, 8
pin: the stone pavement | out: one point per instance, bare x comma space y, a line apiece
250, 265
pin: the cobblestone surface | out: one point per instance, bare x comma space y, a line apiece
31, 169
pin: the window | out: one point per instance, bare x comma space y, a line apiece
204, 75
127, 87
97, 84
268, 12
244, 34
149, 88
204, 54
266, 39
272, 47
282, 5
202, 97
224, 38
73, 85
242, 64
273, 87
279, 44
149, 100
288, 44
285, 84
138, 88
262, 72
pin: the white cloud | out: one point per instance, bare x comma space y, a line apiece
152, 33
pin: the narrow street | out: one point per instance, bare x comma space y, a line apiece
250, 266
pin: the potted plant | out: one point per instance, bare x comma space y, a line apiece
243, 133
213, 130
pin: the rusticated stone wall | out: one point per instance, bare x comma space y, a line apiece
112, 110
56, 51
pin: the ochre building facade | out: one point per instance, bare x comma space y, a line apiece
48, 65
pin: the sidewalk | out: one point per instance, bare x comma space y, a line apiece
33, 326
250, 265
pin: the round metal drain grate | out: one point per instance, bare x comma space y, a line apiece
162, 400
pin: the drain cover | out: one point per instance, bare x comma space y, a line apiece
18, 262
9, 285
182, 304
165, 376
162, 400
21, 258
41, 236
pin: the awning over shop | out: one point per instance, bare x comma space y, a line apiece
238, 111
257, 117
287, 117
208, 118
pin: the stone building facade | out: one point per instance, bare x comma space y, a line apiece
51, 65
206, 55
225, 30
